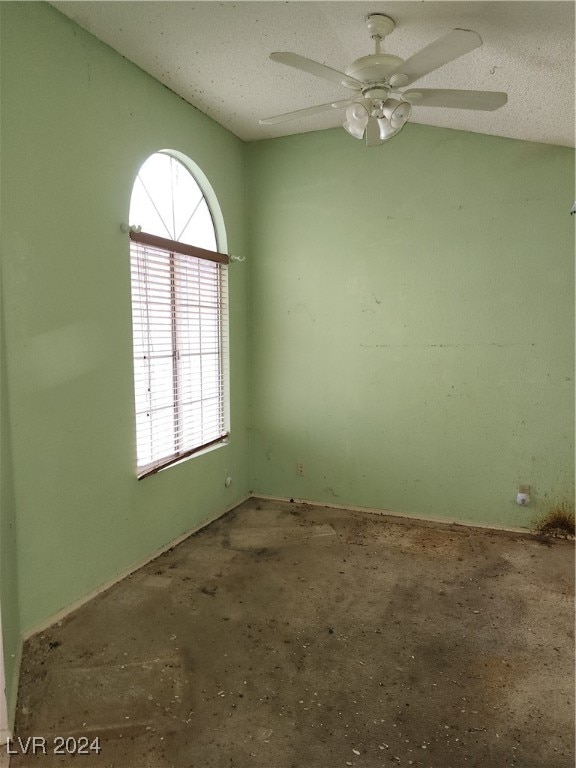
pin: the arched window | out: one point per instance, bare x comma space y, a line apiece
179, 317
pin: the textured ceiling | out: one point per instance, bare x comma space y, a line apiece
215, 55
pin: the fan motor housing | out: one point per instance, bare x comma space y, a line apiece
374, 68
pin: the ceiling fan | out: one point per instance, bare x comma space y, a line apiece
379, 110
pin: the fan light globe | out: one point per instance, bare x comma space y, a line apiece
355, 130
356, 119
397, 112
387, 130
357, 112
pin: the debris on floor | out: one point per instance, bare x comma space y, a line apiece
558, 522
290, 636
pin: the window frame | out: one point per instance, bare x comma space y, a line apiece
170, 248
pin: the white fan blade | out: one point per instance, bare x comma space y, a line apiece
315, 68
305, 112
440, 52
455, 99
373, 137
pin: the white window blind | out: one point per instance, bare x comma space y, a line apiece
180, 329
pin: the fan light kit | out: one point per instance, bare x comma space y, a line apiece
379, 110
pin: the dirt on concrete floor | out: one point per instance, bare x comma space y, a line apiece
291, 636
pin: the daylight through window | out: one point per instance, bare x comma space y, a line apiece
179, 317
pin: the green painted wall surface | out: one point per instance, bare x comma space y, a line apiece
78, 120
413, 322
8, 564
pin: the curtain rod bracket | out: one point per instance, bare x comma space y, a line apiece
130, 228
237, 258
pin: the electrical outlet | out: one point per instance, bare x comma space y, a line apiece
300, 469
523, 495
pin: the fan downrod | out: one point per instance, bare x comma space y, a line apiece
374, 68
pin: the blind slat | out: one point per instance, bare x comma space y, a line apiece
180, 337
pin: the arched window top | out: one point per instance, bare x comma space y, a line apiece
167, 201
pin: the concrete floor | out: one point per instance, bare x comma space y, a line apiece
287, 636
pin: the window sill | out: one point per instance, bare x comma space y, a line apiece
175, 461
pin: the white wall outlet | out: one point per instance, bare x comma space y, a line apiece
300, 469
523, 496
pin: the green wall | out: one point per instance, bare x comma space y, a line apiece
77, 122
413, 322
8, 564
